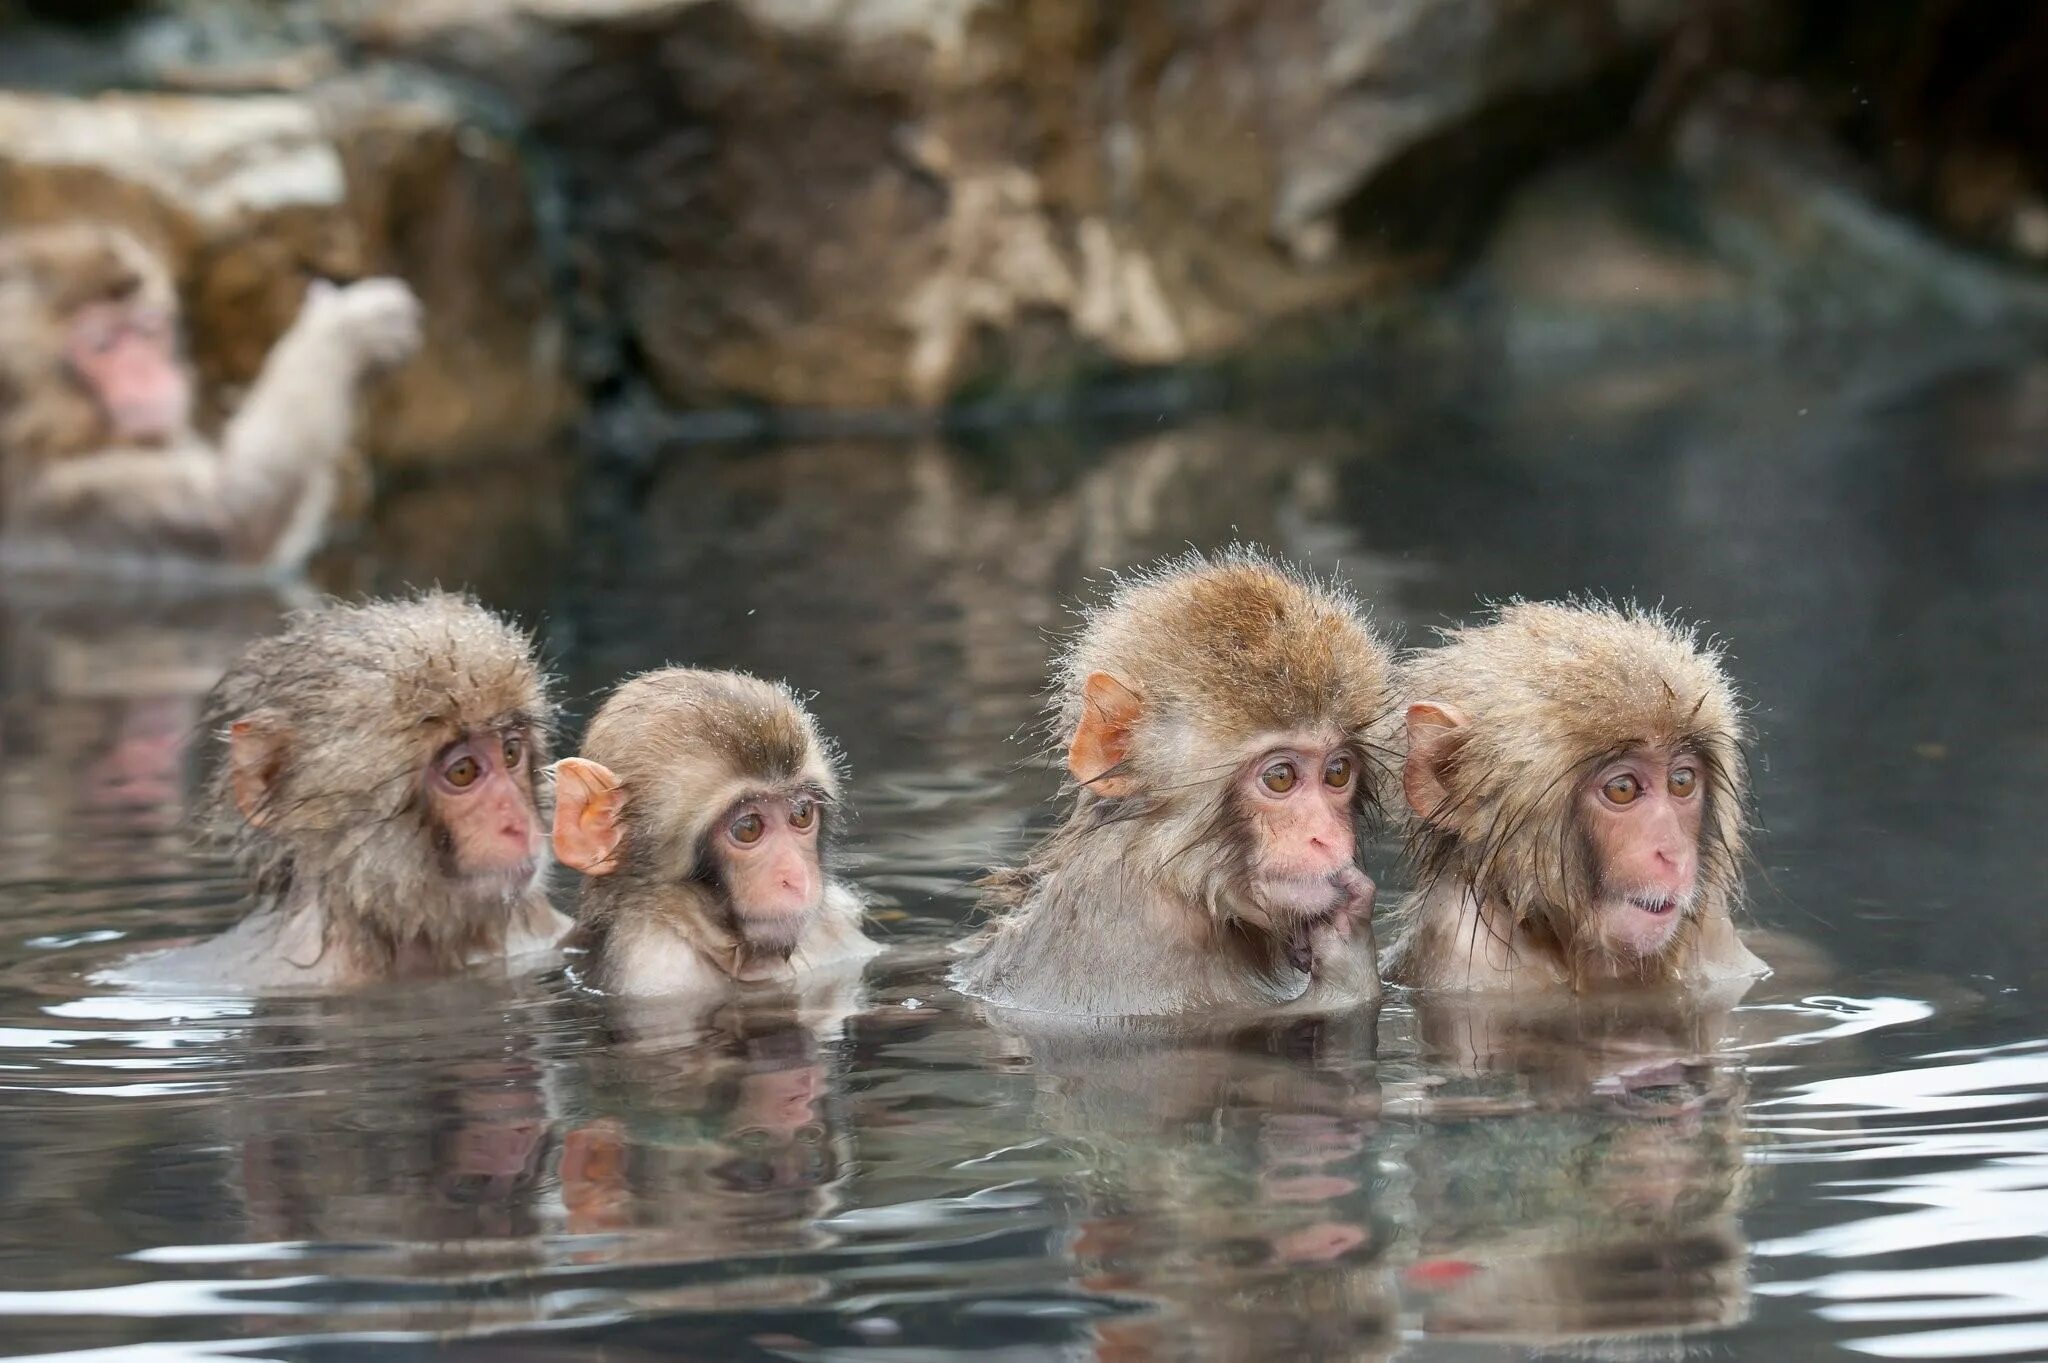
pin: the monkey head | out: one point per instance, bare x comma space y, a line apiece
1581, 769
382, 758
91, 320
1222, 708
701, 797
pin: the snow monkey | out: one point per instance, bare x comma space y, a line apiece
1577, 776
98, 456
1215, 714
698, 812
375, 778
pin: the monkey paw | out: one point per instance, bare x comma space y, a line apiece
379, 319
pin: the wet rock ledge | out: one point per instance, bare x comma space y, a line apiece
860, 204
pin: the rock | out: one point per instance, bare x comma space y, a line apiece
248, 197
870, 202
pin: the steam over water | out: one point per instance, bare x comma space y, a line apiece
1852, 1159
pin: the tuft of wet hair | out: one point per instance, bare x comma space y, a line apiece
688, 742
363, 697
1223, 649
1550, 692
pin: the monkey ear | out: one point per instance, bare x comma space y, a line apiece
1102, 740
257, 747
1432, 729
589, 801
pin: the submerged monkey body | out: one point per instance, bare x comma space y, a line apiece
677, 947
1577, 784
697, 813
375, 782
1457, 944
1216, 716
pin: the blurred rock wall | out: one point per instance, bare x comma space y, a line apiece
885, 203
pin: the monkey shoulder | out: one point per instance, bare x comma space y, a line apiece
645, 958
840, 932
539, 929
271, 950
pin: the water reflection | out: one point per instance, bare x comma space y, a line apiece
1229, 1188
511, 1169
1581, 1172
718, 1139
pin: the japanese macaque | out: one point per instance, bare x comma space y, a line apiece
1215, 715
698, 812
375, 780
98, 456
1578, 780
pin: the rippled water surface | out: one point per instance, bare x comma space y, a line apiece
1853, 1158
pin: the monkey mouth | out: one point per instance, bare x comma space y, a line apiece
1653, 904
774, 936
1310, 903
494, 882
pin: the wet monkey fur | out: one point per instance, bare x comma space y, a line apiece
373, 774
1215, 714
99, 463
697, 812
1577, 778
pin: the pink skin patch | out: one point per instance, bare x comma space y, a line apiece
1319, 1243
480, 791
1301, 800
767, 852
1433, 1275
1643, 810
127, 356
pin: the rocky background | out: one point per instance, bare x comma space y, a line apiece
685, 218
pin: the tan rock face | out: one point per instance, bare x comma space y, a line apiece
859, 202
247, 198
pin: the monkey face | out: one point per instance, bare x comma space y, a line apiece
1300, 802
125, 355
480, 791
1641, 813
764, 851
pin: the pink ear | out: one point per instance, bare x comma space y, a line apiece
589, 803
1432, 729
1102, 740
256, 753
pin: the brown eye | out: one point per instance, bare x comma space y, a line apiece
802, 813
1622, 790
1280, 777
1684, 782
515, 751
747, 829
462, 772
1337, 774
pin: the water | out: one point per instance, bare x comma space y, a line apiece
1852, 1160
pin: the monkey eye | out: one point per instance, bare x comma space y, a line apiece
515, 750
462, 772
1280, 777
802, 813
1684, 781
1337, 772
747, 829
1622, 790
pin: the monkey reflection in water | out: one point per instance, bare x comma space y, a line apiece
1578, 783
99, 459
710, 1137
1580, 1175
1226, 1193
1215, 715
374, 777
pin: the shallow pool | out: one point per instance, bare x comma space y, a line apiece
1853, 1159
